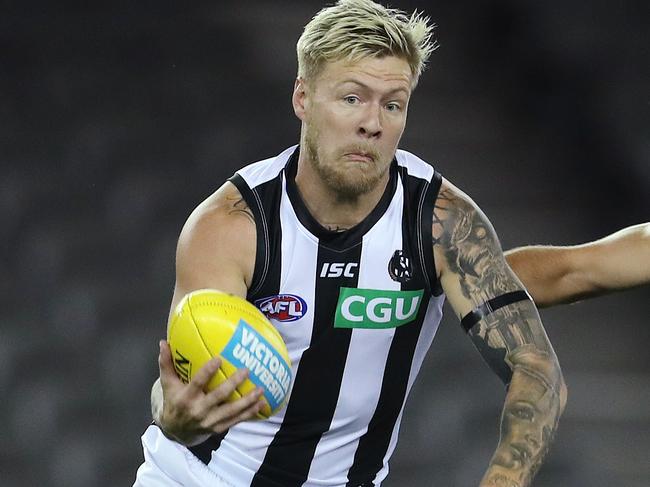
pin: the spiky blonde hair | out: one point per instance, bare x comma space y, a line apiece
355, 29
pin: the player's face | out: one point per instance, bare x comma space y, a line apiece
354, 115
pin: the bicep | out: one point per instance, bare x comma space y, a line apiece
216, 247
468, 255
473, 271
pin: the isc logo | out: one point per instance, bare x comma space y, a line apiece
338, 269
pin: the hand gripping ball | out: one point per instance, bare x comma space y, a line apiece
207, 323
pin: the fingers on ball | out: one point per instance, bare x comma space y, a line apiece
205, 373
232, 413
227, 410
223, 391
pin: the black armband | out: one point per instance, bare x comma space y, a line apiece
490, 306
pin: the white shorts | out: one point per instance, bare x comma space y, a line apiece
170, 464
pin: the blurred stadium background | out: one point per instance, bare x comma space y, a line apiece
117, 118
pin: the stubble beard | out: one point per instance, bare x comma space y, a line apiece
345, 184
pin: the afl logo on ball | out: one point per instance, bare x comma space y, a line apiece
282, 307
400, 268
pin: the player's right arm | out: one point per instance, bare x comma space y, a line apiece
557, 274
216, 249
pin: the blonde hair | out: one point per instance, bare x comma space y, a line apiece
355, 29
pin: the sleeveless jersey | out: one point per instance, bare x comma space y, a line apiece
357, 309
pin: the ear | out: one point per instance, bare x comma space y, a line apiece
299, 98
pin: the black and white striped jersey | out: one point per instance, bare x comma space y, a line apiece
357, 309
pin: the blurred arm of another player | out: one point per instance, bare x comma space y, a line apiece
216, 249
555, 275
506, 329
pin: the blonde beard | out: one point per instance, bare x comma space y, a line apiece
346, 186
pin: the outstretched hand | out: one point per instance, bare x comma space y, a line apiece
189, 414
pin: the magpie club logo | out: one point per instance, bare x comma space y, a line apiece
400, 268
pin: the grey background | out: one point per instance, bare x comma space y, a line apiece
117, 118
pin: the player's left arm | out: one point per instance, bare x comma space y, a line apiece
563, 274
505, 327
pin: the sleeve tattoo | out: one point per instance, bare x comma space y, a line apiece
511, 340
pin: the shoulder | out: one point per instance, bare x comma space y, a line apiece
456, 212
218, 236
226, 206
464, 239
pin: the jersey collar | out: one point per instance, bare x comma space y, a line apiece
336, 239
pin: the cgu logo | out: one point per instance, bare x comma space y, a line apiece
372, 308
282, 307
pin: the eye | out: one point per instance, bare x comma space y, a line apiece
480, 232
522, 412
393, 107
351, 99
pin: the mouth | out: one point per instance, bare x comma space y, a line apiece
359, 157
520, 453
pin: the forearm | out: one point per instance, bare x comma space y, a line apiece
533, 405
547, 273
618, 261
555, 275
512, 338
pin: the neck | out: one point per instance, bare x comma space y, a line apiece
331, 209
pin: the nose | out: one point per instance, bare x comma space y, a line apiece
370, 125
534, 439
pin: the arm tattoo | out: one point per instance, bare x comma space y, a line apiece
240, 206
532, 407
470, 248
511, 340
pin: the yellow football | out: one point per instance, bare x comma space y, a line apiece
209, 323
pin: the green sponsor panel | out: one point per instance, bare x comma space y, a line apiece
373, 308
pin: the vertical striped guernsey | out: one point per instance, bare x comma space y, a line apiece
358, 311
